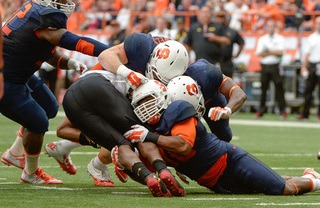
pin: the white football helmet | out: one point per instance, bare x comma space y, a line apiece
185, 88
167, 60
67, 7
152, 108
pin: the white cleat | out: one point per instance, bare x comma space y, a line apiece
52, 149
101, 177
39, 177
310, 171
9, 159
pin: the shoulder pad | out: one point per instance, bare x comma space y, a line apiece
53, 19
177, 111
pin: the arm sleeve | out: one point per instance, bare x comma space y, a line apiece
84, 45
186, 130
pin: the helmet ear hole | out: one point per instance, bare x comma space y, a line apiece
185, 88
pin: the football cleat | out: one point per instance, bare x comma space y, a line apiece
64, 160
101, 177
9, 159
39, 177
157, 186
123, 177
258, 115
310, 171
171, 183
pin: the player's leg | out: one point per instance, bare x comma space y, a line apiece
151, 153
21, 107
15, 154
98, 169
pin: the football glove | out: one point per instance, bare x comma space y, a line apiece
139, 133
218, 113
118, 168
133, 79
76, 65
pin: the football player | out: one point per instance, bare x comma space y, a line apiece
163, 60
1, 66
30, 37
213, 163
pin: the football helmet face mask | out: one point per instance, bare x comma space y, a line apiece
168, 60
185, 88
67, 6
149, 101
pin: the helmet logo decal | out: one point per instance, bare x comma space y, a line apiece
192, 89
163, 53
162, 87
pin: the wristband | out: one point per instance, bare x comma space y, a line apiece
123, 71
229, 110
152, 137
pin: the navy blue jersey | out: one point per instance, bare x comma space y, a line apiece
138, 48
23, 50
207, 147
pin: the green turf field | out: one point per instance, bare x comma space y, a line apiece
287, 146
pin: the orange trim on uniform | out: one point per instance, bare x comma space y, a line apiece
223, 81
58, 64
98, 66
232, 88
312, 185
85, 47
20, 133
124, 53
294, 186
186, 130
211, 177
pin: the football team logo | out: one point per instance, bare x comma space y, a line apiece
192, 89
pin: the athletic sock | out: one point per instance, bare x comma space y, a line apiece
315, 184
159, 165
17, 148
66, 146
32, 163
140, 170
98, 163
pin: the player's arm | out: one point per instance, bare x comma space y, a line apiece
70, 41
230, 89
181, 141
112, 58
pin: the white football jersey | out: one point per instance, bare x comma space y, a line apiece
116, 80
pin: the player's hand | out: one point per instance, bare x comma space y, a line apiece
115, 156
77, 65
137, 134
133, 79
218, 113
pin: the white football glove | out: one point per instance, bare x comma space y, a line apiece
137, 134
76, 65
133, 79
218, 113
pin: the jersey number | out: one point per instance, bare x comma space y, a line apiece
21, 13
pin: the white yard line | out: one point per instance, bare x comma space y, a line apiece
274, 123
288, 204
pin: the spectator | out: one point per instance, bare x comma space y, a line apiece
187, 6
206, 37
270, 48
161, 29
290, 23
236, 8
144, 24
124, 14
77, 19
181, 32
226, 63
311, 70
117, 34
